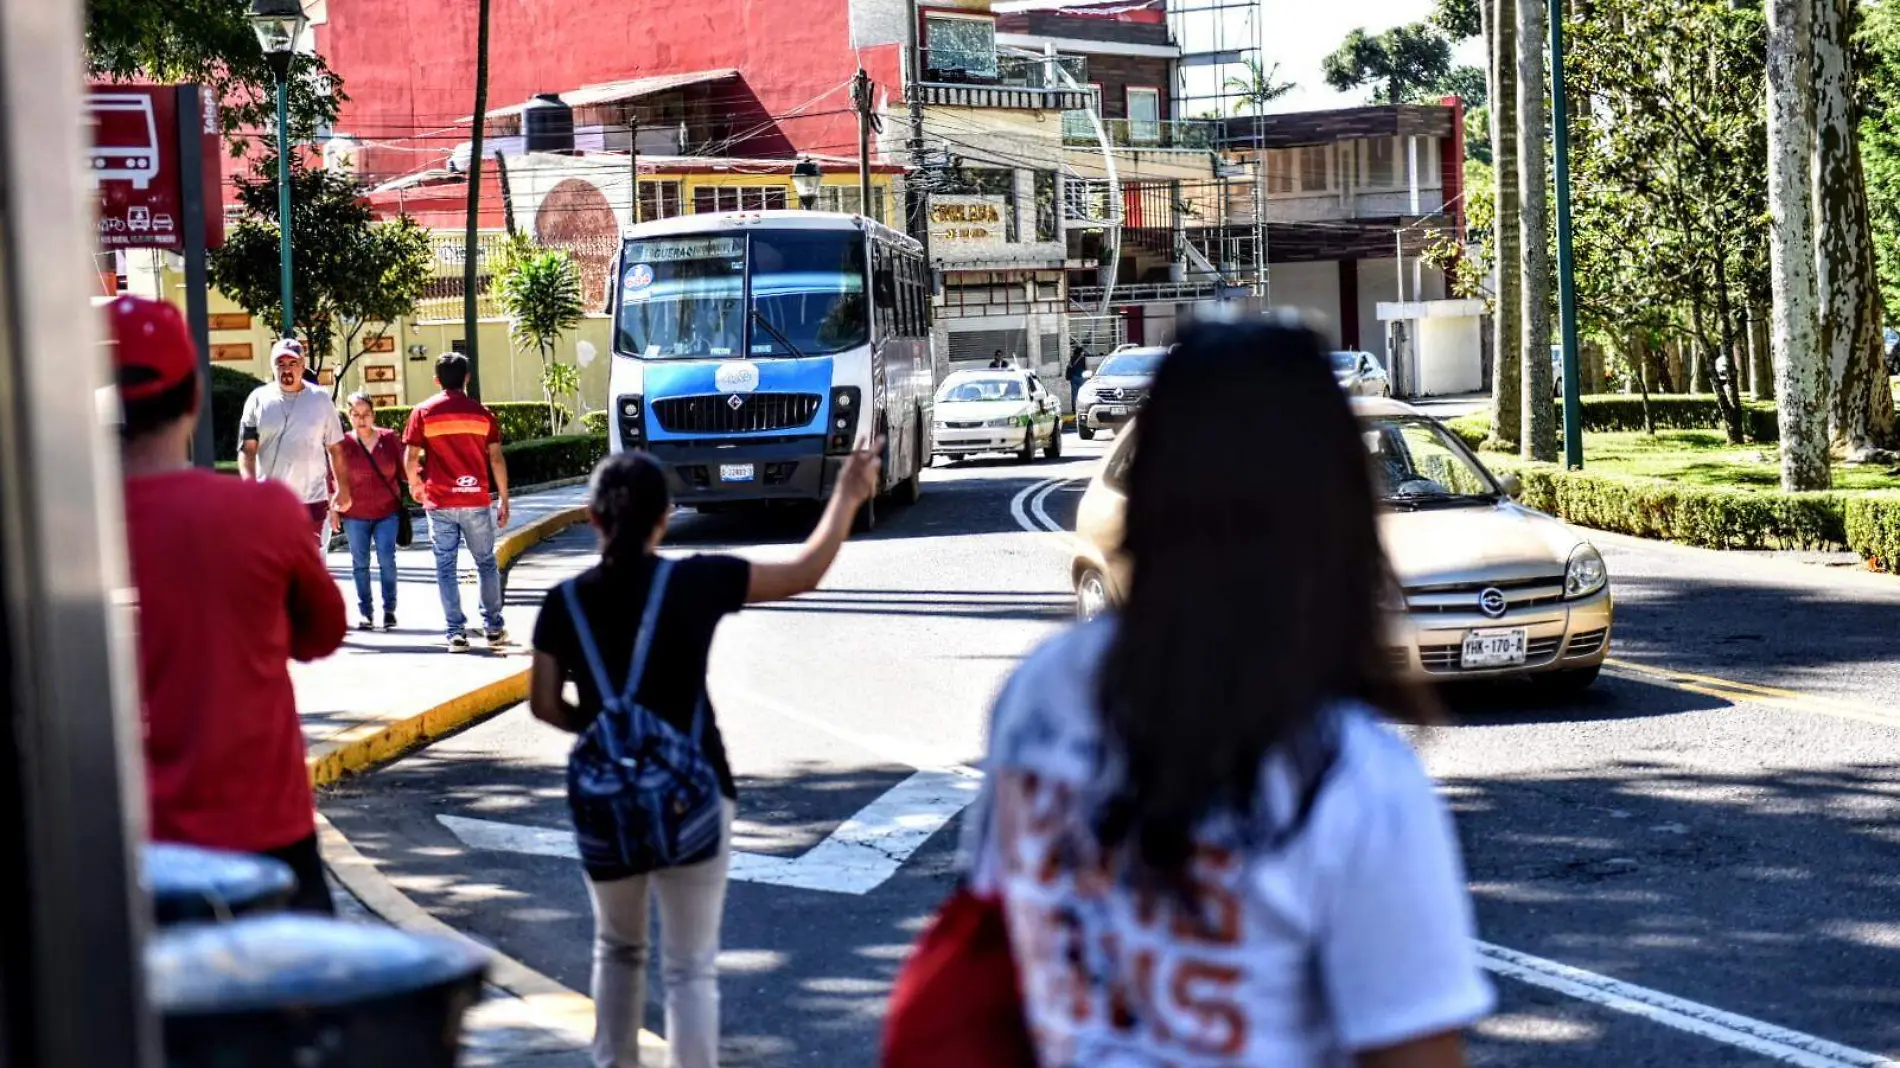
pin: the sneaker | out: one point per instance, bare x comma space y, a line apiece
498, 636
366, 624
458, 643
389, 621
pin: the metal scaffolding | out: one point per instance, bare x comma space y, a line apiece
1220, 40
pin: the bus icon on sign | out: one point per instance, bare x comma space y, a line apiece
125, 138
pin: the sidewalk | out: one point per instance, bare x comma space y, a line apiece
385, 692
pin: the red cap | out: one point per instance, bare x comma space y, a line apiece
152, 350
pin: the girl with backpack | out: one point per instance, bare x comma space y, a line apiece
648, 783
1199, 844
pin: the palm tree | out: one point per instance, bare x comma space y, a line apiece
1800, 372
470, 250
1258, 86
1540, 417
540, 293
1507, 377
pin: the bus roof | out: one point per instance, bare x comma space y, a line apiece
712, 222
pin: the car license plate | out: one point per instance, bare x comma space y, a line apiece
1118, 409
735, 472
1495, 648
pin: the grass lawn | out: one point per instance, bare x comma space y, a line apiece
1705, 458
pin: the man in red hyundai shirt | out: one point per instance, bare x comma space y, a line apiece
229, 589
453, 442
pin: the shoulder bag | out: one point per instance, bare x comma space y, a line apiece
405, 528
642, 793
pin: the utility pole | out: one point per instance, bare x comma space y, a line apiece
861, 96
633, 166
916, 201
471, 248
1566, 266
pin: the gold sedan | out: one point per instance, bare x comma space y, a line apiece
1485, 587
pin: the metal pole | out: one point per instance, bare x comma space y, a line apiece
633, 167
283, 203
1566, 280
191, 195
862, 93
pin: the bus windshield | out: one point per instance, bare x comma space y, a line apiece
684, 297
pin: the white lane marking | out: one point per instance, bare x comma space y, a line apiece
1038, 507
857, 858
1767, 1040
1017, 504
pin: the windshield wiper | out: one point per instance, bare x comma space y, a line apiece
759, 317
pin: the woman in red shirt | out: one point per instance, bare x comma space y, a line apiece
372, 458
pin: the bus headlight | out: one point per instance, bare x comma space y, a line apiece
842, 434
632, 421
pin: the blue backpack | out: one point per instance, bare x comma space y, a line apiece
643, 795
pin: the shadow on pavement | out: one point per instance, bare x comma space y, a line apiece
1613, 698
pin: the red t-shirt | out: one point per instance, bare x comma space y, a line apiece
230, 587
373, 495
454, 432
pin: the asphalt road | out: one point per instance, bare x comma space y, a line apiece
1718, 857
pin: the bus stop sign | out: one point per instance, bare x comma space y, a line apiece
137, 138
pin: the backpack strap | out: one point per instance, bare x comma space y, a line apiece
616, 698
649, 620
584, 635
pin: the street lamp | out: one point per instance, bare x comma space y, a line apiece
279, 25
806, 178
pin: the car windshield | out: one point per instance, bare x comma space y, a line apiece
684, 297
991, 388
1344, 362
1131, 365
1417, 463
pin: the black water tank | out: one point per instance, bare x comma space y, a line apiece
548, 124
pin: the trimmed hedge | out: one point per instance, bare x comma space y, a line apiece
1693, 515
595, 422
551, 459
520, 420
1873, 529
229, 390
1617, 412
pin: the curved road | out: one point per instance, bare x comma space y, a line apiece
1708, 838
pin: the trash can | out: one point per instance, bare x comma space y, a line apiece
188, 883
296, 991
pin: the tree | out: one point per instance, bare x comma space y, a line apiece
1507, 404
1800, 373
1540, 425
1465, 83
1459, 20
351, 269
540, 293
209, 42
1402, 64
1257, 86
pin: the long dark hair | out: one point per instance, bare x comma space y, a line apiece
627, 497
1254, 601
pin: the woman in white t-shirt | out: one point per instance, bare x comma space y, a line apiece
1210, 849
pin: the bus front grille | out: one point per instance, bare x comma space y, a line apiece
737, 413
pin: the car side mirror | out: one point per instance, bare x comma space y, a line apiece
1086, 375
1512, 485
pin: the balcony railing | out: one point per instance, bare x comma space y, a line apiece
993, 79
1196, 135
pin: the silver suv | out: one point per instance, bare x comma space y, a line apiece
1116, 390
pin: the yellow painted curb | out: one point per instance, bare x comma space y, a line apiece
510, 546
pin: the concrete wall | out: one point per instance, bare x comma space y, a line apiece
1313, 288
1378, 282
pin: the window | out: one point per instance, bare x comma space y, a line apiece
660, 200
847, 199
958, 49
709, 199
1280, 165
1382, 170
1144, 116
1045, 182
1313, 168
1076, 125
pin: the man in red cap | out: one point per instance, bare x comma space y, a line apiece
229, 589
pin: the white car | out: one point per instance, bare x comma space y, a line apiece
996, 411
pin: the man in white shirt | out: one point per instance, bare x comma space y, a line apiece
290, 431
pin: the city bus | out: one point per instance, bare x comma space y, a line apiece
751, 350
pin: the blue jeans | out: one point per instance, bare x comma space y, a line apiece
363, 534
449, 530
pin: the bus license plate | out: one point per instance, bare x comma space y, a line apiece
735, 472
1495, 648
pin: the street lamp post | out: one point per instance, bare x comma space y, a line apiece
1566, 262
806, 178
278, 25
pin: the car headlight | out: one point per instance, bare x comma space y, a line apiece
1586, 573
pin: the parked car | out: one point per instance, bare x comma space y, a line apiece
996, 411
1361, 375
1484, 587
1116, 390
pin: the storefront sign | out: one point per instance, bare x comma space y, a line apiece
967, 222
135, 165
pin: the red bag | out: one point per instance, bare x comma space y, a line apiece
958, 1003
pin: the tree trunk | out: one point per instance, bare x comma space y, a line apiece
1800, 370
1540, 416
1639, 347
1762, 353
1723, 374
1745, 359
1507, 377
